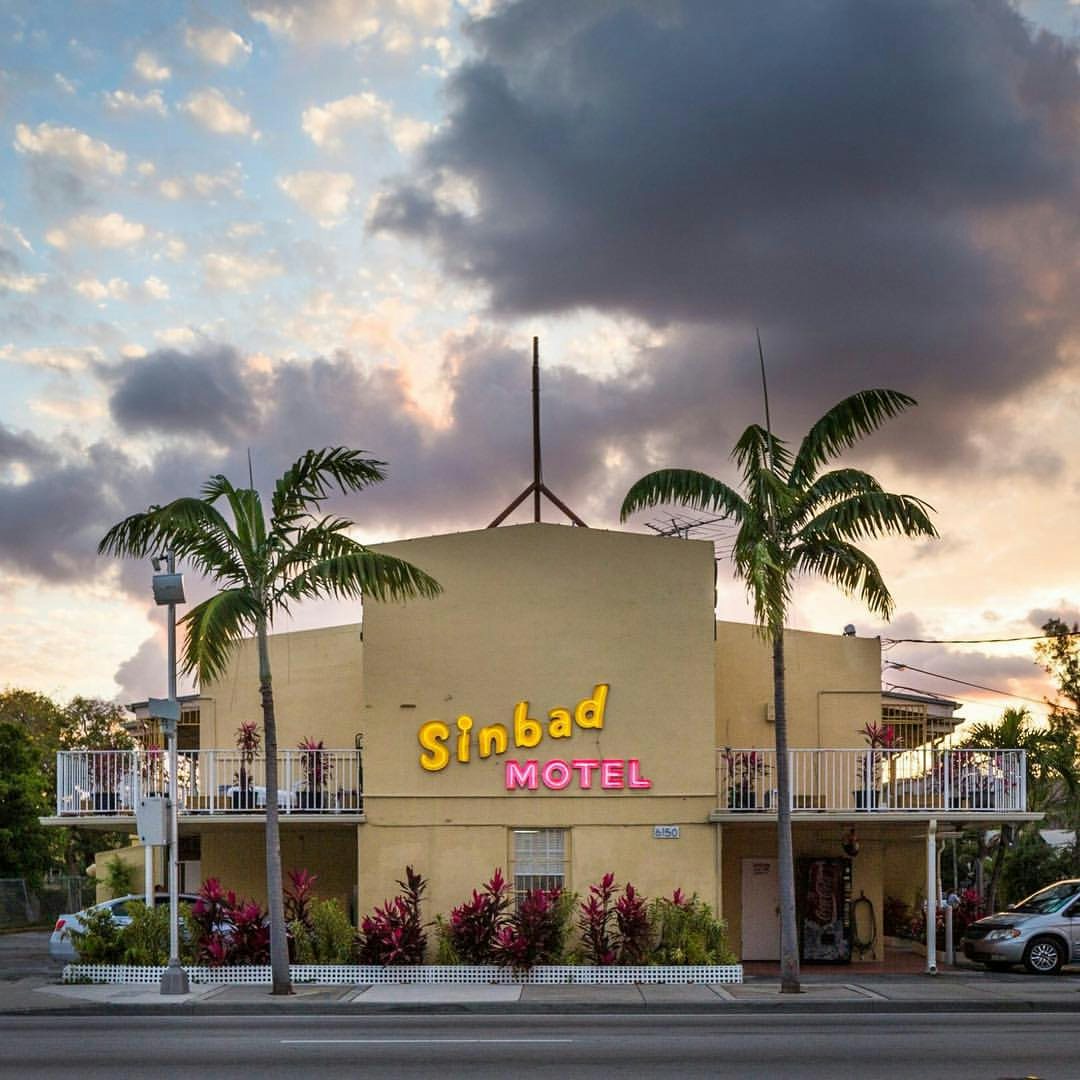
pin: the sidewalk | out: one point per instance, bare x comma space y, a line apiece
952, 991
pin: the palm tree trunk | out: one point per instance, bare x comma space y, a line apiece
275, 901
789, 938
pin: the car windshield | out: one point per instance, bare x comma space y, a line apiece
1049, 900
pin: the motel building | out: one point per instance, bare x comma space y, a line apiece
567, 707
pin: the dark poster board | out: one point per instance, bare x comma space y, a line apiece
823, 902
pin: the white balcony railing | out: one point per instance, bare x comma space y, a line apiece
111, 782
839, 781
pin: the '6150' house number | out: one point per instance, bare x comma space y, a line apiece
665, 832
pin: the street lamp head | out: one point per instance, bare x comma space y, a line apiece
168, 589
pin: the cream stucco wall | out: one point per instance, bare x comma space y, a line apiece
833, 687
237, 858
317, 677
542, 614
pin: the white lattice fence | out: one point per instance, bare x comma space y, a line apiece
365, 975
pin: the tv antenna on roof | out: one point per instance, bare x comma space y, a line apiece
537, 487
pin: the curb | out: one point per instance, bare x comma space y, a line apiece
575, 1008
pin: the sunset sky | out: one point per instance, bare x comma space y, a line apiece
284, 224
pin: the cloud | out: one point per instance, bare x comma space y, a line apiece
323, 195
326, 124
104, 231
213, 111
194, 393
890, 192
217, 44
204, 185
1067, 613
148, 67
155, 288
70, 146
93, 289
148, 668
21, 283
225, 270
58, 357
127, 101
346, 22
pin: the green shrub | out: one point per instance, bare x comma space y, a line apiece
145, 940
98, 942
687, 932
445, 953
332, 932
119, 877
303, 943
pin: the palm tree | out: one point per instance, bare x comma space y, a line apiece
1050, 761
794, 519
263, 566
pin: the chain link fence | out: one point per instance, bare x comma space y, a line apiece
22, 906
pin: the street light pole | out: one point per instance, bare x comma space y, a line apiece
174, 980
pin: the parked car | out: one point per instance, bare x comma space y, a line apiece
1041, 932
61, 946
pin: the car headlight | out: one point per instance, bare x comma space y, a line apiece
1002, 935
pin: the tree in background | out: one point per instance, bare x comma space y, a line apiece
83, 723
1059, 654
24, 845
1050, 755
794, 519
263, 565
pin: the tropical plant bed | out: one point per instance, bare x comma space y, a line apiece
431, 974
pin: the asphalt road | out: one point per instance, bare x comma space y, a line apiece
957, 1047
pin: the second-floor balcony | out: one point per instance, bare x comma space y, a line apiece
110, 783
841, 781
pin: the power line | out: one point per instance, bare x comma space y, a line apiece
975, 641
976, 686
958, 697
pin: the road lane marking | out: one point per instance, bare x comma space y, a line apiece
295, 1042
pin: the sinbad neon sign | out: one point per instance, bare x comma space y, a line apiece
440, 745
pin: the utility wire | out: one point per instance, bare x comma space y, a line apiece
977, 686
975, 641
959, 697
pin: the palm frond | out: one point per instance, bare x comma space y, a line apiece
214, 628
873, 514
360, 572
687, 488
311, 478
767, 579
842, 426
191, 528
848, 568
757, 451
830, 487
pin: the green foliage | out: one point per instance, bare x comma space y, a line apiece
1059, 655
687, 932
93, 724
119, 877
1031, 864
98, 942
24, 844
793, 519
334, 934
264, 564
145, 940
329, 938
445, 953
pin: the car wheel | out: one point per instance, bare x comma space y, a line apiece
1044, 956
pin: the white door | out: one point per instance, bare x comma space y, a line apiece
760, 910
